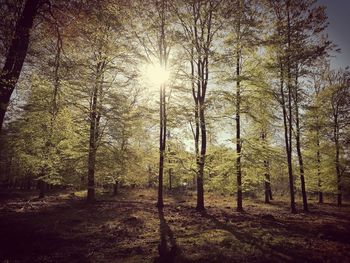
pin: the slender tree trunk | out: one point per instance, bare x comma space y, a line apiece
170, 171
163, 58
289, 157
198, 180
238, 137
319, 180
287, 133
298, 146
238, 112
200, 188
290, 117
115, 188
162, 142
149, 176
42, 188
16, 55
337, 163
268, 191
92, 147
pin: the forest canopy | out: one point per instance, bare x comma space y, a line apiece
234, 97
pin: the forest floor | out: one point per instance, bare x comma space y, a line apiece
129, 228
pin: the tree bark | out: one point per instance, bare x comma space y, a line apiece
287, 133
115, 188
200, 178
238, 112
290, 117
337, 163
163, 59
160, 202
268, 191
149, 176
298, 146
318, 154
42, 188
16, 55
92, 145
238, 137
170, 171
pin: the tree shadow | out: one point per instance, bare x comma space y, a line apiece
274, 253
168, 249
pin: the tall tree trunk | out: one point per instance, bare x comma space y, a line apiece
268, 191
92, 146
287, 133
301, 171
337, 163
318, 155
238, 112
267, 183
163, 59
290, 116
162, 132
16, 55
200, 187
238, 137
298, 146
196, 94
170, 171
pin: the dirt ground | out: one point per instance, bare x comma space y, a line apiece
129, 228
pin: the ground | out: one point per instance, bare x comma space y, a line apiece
129, 228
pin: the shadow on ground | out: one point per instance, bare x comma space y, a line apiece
129, 228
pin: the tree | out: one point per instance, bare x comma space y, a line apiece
199, 31
156, 42
16, 54
339, 92
243, 38
98, 70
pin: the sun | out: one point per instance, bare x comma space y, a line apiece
156, 74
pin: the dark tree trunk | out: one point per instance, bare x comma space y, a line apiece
287, 133
337, 163
289, 157
298, 146
163, 58
149, 176
92, 146
318, 154
268, 191
201, 38
238, 137
115, 188
200, 178
290, 118
170, 171
162, 144
42, 188
16, 55
238, 112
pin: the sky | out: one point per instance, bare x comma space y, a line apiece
338, 12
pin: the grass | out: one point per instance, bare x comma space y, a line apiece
129, 228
